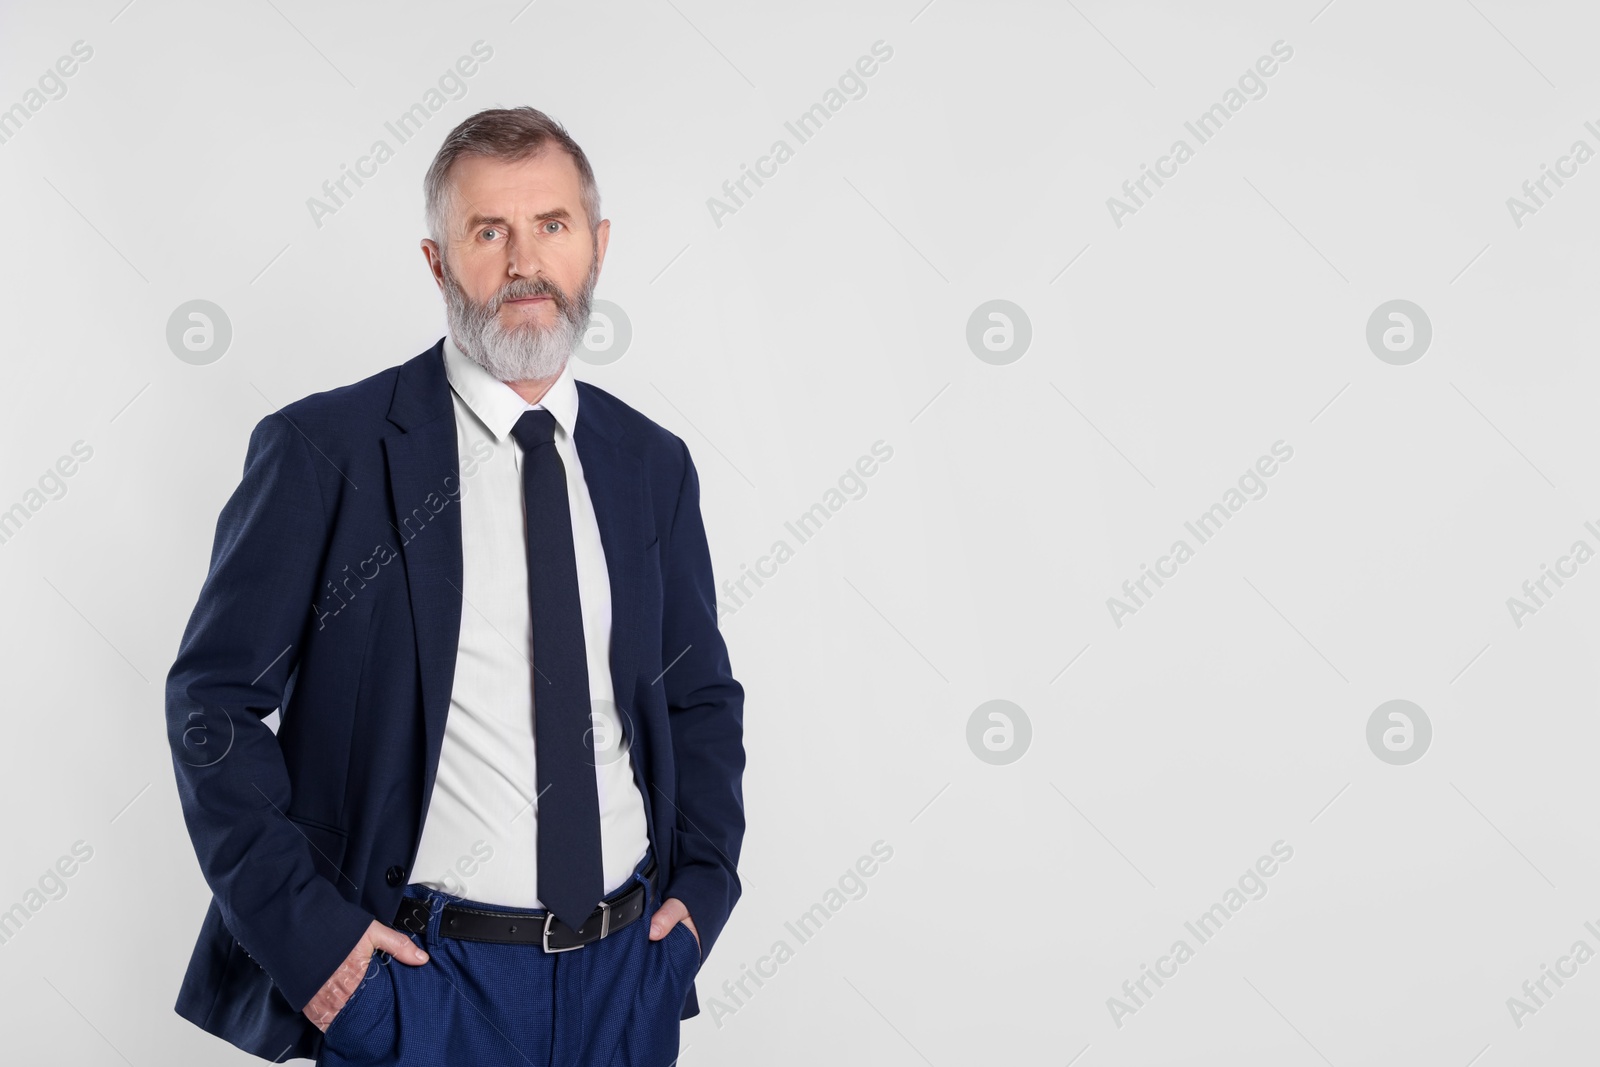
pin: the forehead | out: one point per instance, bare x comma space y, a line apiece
543, 182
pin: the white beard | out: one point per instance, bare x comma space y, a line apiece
527, 352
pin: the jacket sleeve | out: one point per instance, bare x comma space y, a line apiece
235, 664
705, 709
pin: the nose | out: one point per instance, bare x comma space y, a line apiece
522, 258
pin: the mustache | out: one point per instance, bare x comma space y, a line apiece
523, 288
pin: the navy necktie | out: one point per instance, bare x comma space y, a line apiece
571, 875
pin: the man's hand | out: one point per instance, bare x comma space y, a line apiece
337, 989
671, 912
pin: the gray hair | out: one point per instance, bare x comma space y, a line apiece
508, 134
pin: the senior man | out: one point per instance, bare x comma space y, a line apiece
510, 751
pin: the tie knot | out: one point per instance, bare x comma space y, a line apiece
534, 428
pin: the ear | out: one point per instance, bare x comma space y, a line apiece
430, 252
602, 236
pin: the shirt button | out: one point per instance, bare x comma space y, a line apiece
395, 876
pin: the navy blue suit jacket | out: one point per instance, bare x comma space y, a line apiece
334, 593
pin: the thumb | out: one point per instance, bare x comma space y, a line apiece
667, 916
397, 945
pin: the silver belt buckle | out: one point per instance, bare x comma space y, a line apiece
605, 928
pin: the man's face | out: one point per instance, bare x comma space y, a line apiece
518, 265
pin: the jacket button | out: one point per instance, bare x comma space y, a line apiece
395, 876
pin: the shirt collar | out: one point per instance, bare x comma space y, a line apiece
496, 404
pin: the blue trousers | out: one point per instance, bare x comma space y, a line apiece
612, 1003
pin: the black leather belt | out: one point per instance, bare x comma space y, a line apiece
539, 927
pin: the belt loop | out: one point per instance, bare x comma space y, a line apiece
638, 876
436, 905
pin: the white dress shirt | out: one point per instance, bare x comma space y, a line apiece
479, 838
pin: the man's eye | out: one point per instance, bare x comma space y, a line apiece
489, 232
552, 222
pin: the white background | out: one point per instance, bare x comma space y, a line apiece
829, 312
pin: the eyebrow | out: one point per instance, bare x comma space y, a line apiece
560, 213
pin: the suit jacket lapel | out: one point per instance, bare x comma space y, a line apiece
424, 494
616, 487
